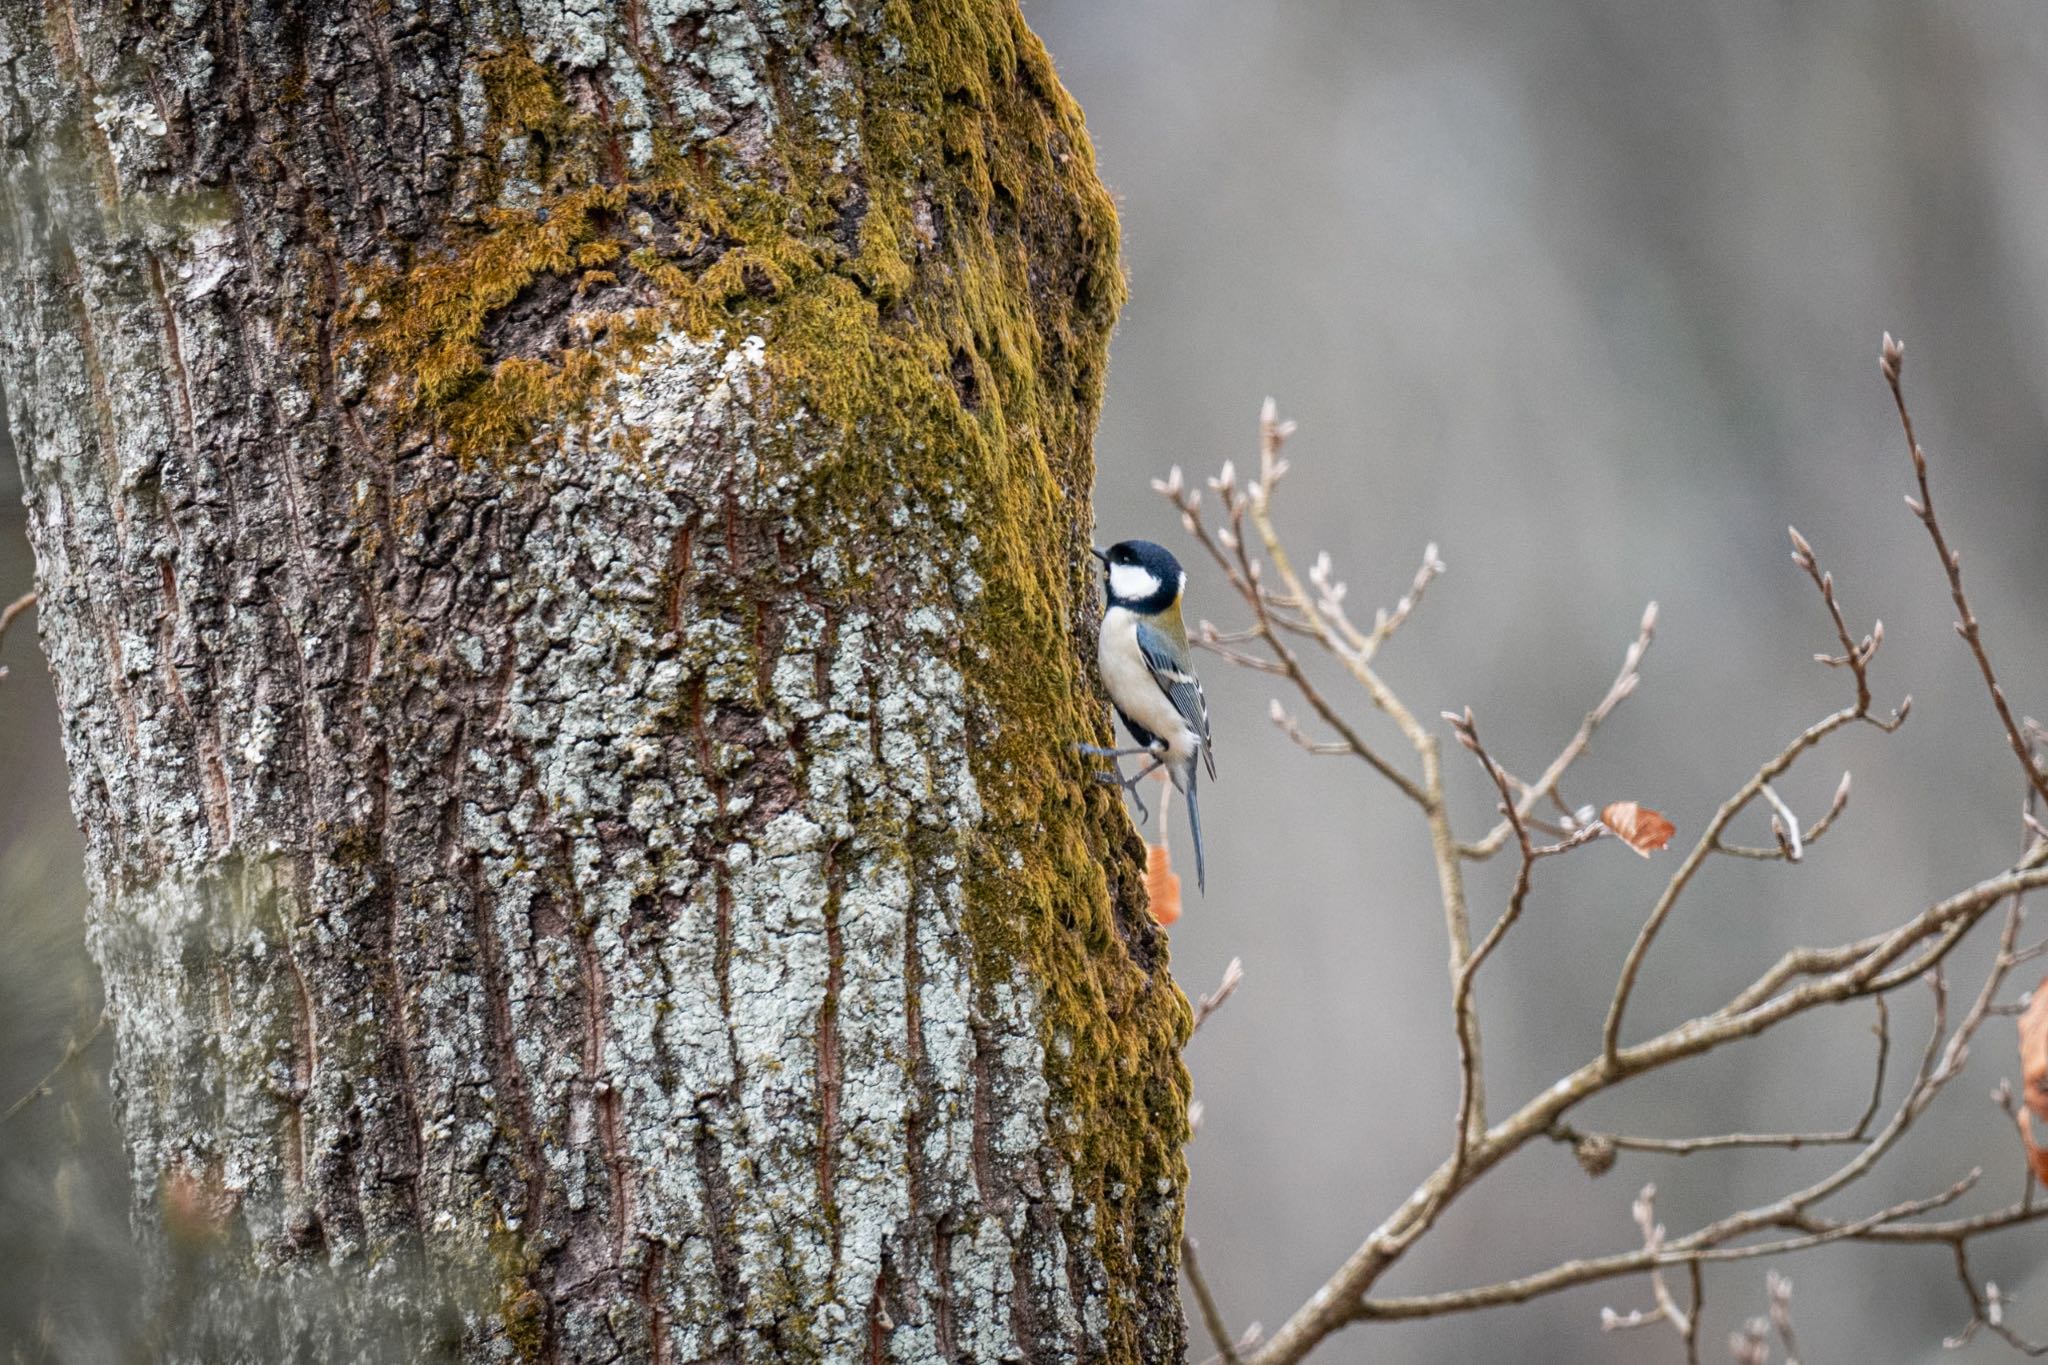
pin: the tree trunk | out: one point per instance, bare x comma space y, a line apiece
560, 529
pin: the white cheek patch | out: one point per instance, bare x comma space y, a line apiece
1132, 582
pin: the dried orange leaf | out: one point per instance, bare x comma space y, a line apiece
2034, 1052
1162, 885
1641, 828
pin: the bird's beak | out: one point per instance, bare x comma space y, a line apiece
1100, 554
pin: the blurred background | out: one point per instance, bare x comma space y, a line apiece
1589, 292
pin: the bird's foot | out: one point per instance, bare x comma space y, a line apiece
1130, 786
1115, 775
1097, 751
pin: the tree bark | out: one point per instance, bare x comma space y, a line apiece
560, 528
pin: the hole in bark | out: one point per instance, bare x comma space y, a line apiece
965, 381
536, 323
852, 211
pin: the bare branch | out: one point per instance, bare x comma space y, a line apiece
1218, 642
1625, 683
1807, 840
7, 615
1778, 1293
1855, 655
1691, 1332
1330, 602
1471, 1081
1212, 1316
1706, 1245
1987, 1310
1785, 825
1429, 793
1799, 982
73, 1050
1644, 1210
1893, 363
1337, 1303
1291, 727
1233, 977
1710, 840
1227, 548
1583, 1142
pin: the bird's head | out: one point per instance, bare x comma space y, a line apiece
1140, 576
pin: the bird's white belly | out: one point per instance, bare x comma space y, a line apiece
1130, 684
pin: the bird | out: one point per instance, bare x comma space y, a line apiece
1142, 655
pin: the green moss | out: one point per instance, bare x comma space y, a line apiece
521, 98
521, 1307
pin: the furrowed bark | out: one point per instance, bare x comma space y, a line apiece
560, 531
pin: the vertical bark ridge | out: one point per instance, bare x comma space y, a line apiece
561, 538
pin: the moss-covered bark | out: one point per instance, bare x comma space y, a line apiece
561, 536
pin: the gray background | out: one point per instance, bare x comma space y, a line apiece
1588, 291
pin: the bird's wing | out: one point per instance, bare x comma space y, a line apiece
1167, 657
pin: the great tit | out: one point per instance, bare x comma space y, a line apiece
1142, 655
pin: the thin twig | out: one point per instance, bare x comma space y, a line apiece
1624, 684
1710, 840
1855, 655
73, 1050
1987, 1310
1807, 840
1778, 1298
1291, 728
1471, 1082
1218, 643
1256, 501
1858, 1132
7, 615
1233, 977
1785, 825
1703, 1246
1893, 363
1221, 546
1644, 1211
1691, 1333
1212, 1316
1330, 603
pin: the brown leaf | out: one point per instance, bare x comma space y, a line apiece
1162, 885
1642, 829
2033, 1027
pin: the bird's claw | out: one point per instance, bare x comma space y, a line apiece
1130, 786
1114, 776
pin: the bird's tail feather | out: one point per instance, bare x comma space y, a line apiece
1195, 828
